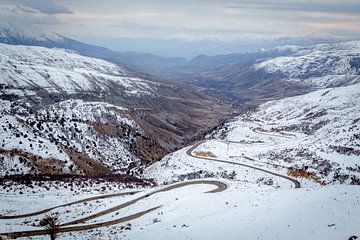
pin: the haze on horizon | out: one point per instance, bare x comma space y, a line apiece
152, 26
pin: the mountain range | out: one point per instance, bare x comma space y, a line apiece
153, 112
38, 82
263, 144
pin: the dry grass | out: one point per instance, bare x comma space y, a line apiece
205, 154
88, 166
108, 129
302, 173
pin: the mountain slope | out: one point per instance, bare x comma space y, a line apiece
322, 65
77, 137
27, 35
313, 137
34, 69
318, 132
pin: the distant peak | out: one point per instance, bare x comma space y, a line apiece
28, 32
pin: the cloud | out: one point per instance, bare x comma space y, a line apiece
226, 20
345, 26
334, 6
24, 15
44, 6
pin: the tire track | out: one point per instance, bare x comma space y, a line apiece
219, 187
66, 205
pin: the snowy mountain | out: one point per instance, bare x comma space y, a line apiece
285, 168
31, 35
310, 143
27, 35
323, 65
31, 70
256, 77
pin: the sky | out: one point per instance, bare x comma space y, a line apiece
185, 20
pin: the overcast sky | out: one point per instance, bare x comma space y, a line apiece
223, 20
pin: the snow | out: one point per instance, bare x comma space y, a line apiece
319, 123
247, 209
248, 213
243, 211
323, 65
303, 129
25, 32
318, 132
46, 133
58, 71
22, 199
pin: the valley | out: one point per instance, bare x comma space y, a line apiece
259, 145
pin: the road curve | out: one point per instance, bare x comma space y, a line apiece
219, 187
13, 235
260, 130
190, 150
67, 204
281, 134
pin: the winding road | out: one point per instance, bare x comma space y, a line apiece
219, 187
296, 183
189, 152
74, 225
67, 204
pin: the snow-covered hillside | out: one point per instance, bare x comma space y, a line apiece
73, 136
323, 65
29, 70
316, 135
324, 133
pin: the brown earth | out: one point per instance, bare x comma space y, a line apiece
43, 166
85, 164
